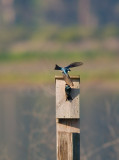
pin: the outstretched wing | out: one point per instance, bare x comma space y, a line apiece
75, 64
67, 79
57, 67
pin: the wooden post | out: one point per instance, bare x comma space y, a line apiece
67, 120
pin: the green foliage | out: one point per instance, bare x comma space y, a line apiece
106, 32
10, 36
74, 33
58, 55
46, 76
56, 35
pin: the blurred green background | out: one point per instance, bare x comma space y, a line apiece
36, 35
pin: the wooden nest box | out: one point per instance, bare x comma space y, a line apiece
67, 109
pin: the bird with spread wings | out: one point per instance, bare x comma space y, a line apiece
65, 71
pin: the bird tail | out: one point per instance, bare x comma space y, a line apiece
69, 98
57, 67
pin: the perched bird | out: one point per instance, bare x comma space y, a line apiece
65, 71
68, 92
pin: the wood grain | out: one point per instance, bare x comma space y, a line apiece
68, 138
65, 146
68, 125
67, 109
68, 148
68, 120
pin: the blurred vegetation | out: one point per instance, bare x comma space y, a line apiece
62, 36
34, 36
57, 32
59, 55
43, 73
11, 35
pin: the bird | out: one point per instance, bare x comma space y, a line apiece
68, 92
65, 71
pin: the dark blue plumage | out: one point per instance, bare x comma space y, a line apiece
68, 92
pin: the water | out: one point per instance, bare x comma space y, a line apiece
27, 125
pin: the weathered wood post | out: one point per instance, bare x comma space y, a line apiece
68, 120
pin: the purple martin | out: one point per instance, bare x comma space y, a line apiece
65, 71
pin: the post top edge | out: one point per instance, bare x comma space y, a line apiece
72, 77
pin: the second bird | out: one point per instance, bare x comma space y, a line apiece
65, 71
